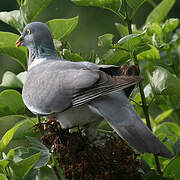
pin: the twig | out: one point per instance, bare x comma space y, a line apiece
151, 101
54, 169
119, 14
135, 102
158, 166
40, 125
127, 19
144, 104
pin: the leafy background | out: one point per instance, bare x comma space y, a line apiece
97, 34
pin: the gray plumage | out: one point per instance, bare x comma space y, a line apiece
81, 93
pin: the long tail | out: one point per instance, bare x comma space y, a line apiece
122, 117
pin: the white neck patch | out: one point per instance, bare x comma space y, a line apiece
37, 61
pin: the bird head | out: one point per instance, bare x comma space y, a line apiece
37, 38
34, 35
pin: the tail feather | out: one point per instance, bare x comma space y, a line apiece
122, 117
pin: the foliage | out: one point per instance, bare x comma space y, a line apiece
155, 47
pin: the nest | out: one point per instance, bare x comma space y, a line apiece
108, 157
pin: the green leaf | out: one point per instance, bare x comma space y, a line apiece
44, 173
13, 18
168, 128
27, 129
176, 146
8, 136
10, 80
46, 178
7, 122
130, 42
170, 25
113, 5
67, 54
144, 166
151, 54
104, 126
38, 146
166, 137
16, 154
11, 103
58, 45
148, 91
22, 76
135, 5
160, 12
105, 40
11, 154
3, 177
3, 163
172, 169
149, 159
154, 33
62, 27
123, 30
154, 176
8, 47
163, 82
163, 116
134, 43
154, 28
115, 56
21, 168
30, 9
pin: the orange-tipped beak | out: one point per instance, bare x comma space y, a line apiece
18, 42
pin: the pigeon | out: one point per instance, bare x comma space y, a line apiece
82, 93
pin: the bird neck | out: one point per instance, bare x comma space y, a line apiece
41, 52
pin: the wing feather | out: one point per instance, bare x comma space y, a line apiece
104, 86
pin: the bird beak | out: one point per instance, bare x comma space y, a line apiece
19, 41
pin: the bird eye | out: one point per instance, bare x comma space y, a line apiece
28, 31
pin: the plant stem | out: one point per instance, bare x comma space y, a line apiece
151, 101
143, 98
54, 169
40, 125
127, 19
152, 3
144, 106
135, 102
158, 166
119, 14
19, 4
